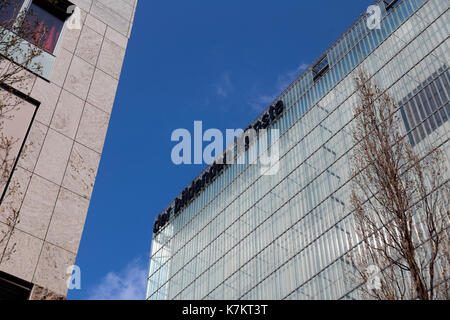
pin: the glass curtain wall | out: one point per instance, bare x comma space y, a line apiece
286, 236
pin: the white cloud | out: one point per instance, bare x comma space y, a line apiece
128, 284
260, 102
285, 79
224, 85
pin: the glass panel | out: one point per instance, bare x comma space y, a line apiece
17, 115
47, 28
9, 9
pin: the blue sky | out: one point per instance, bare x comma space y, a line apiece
221, 62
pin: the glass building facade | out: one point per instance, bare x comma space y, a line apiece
286, 236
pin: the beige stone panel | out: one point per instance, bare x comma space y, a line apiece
70, 37
116, 37
14, 195
123, 8
33, 145
4, 65
130, 28
83, 4
89, 45
47, 94
53, 159
68, 220
24, 256
61, 66
37, 207
93, 128
79, 77
52, 267
111, 58
106, 14
67, 114
81, 171
103, 91
95, 24
40, 293
131, 2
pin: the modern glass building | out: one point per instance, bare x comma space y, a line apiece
249, 236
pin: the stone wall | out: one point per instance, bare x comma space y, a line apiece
64, 146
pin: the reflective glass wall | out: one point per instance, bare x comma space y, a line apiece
286, 236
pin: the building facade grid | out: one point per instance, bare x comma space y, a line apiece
248, 236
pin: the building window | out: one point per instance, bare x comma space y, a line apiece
9, 10
12, 288
42, 21
47, 27
427, 107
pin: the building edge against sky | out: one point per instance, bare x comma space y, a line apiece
63, 125
247, 236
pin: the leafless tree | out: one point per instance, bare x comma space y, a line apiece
20, 44
400, 197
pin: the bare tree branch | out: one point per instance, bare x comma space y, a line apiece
400, 200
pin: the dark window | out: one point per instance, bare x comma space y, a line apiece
12, 288
47, 27
9, 9
16, 127
320, 68
390, 4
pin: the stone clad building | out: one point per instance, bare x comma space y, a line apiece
60, 129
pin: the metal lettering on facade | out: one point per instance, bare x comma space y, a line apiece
215, 170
